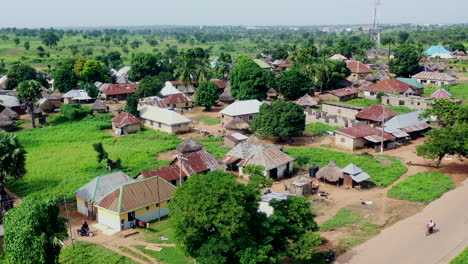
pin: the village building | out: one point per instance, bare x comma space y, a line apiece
233, 139
221, 84
172, 173
13, 103
189, 145
280, 65
46, 105
436, 49
354, 176
277, 164
272, 94
76, 97
143, 200
391, 86
264, 205
100, 107
412, 102
338, 57
153, 101
237, 125
360, 136
226, 97
168, 90
164, 120
341, 110
340, 95
197, 162
120, 91
178, 101
91, 192
441, 94
245, 110
121, 76
125, 123
375, 114
262, 64
412, 82
186, 88
406, 126
359, 70
10, 114
6, 123
304, 186
330, 174
434, 78
307, 102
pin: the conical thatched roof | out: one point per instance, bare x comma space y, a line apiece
99, 105
271, 90
5, 121
331, 172
226, 97
237, 124
254, 140
10, 113
385, 78
369, 78
452, 73
189, 145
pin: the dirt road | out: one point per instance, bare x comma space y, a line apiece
405, 242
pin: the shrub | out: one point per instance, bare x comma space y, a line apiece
422, 187
75, 111
57, 119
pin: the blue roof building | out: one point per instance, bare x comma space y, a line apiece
436, 49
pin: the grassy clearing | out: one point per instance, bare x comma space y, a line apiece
169, 255
89, 253
462, 258
208, 120
319, 128
158, 230
422, 187
364, 102
214, 146
381, 174
134, 253
458, 91
61, 159
341, 219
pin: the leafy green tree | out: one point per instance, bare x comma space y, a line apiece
93, 71
149, 86
12, 165
207, 94
257, 179
50, 38
73, 49
65, 79
143, 64
28, 93
27, 45
279, 119
458, 46
388, 40
440, 142
328, 73
114, 59
223, 65
75, 111
19, 73
132, 105
248, 80
293, 84
17, 41
447, 112
216, 220
403, 36
91, 90
406, 61
344, 48
33, 231
135, 44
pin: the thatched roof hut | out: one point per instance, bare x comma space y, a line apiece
330, 173
226, 97
100, 107
189, 145
369, 78
6, 123
237, 124
10, 113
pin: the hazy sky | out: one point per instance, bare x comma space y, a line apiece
59, 13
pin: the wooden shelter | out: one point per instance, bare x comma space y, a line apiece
303, 187
330, 173
189, 145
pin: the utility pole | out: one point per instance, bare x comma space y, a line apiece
69, 223
180, 159
383, 125
159, 200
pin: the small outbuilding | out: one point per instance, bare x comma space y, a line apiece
189, 145
10, 114
354, 176
330, 173
233, 139
125, 123
304, 186
6, 123
226, 97
272, 94
306, 102
237, 125
100, 107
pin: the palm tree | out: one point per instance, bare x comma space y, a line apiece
185, 71
28, 93
223, 65
201, 70
12, 165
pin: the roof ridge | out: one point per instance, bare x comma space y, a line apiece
119, 207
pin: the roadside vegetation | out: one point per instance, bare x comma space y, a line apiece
89, 253
422, 187
462, 258
382, 169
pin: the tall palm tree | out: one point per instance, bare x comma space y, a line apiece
201, 70
28, 93
185, 71
223, 65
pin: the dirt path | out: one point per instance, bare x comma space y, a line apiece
406, 242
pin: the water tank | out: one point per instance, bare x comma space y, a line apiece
313, 170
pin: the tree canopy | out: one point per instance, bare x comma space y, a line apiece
447, 112
216, 220
93, 71
28, 92
33, 230
279, 119
149, 86
143, 64
132, 105
65, 79
207, 94
50, 38
249, 81
406, 61
293, 84
19, 73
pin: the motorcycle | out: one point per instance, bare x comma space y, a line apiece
331, 256
430, 229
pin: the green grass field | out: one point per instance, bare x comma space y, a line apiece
319, 128
214, 146
208, 120
60, 158
422, 187
89, 253
382, 173
341, 219
169, 255
458, 91
462, 258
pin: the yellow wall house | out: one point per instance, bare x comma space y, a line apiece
145, 200
94, 190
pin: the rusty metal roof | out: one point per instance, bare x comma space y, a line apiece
362, 131
390, 86
118, 88
177, 98
376, 113
269, 158
219, 83
358, 67
125, 119
306, 100
343, 92
131, 196
198, 161
168, 173
415, 128
434, 76
441, 93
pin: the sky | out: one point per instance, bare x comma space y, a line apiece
79, 13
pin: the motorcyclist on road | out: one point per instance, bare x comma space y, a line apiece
430, 226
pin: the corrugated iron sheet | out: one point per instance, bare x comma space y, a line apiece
415, 128
199, 161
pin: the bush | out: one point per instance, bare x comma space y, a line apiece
462, 258
75, 111
422, 187
57, 119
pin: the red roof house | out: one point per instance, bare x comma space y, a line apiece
171, 173
341, 95
391, 86
118, 90
359, 136
197, 162
125, 123
441, 93
219, 83
178, 101
375, 114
